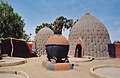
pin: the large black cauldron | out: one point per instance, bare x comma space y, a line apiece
57, 48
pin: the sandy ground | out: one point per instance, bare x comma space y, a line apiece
34, 68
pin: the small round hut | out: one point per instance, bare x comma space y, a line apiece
90, 37
40, 39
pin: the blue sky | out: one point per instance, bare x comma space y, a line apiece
35, 12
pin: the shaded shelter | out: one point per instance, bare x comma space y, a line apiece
15, 48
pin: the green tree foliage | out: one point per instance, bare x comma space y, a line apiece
61, 23
116, 42
42, 26
11, 24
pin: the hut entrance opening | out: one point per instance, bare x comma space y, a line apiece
78, 51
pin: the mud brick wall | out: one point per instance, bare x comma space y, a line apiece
117, 47
40, 39
93, 35
114, 50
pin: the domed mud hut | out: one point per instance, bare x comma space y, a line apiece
40, 39
90, 37
57, 48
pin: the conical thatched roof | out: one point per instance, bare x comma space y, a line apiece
40, 40
93, 34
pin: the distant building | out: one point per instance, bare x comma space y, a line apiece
40, 39
89, 37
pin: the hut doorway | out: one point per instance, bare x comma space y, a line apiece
78, 51
78, 48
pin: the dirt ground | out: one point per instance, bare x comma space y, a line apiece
34, 68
